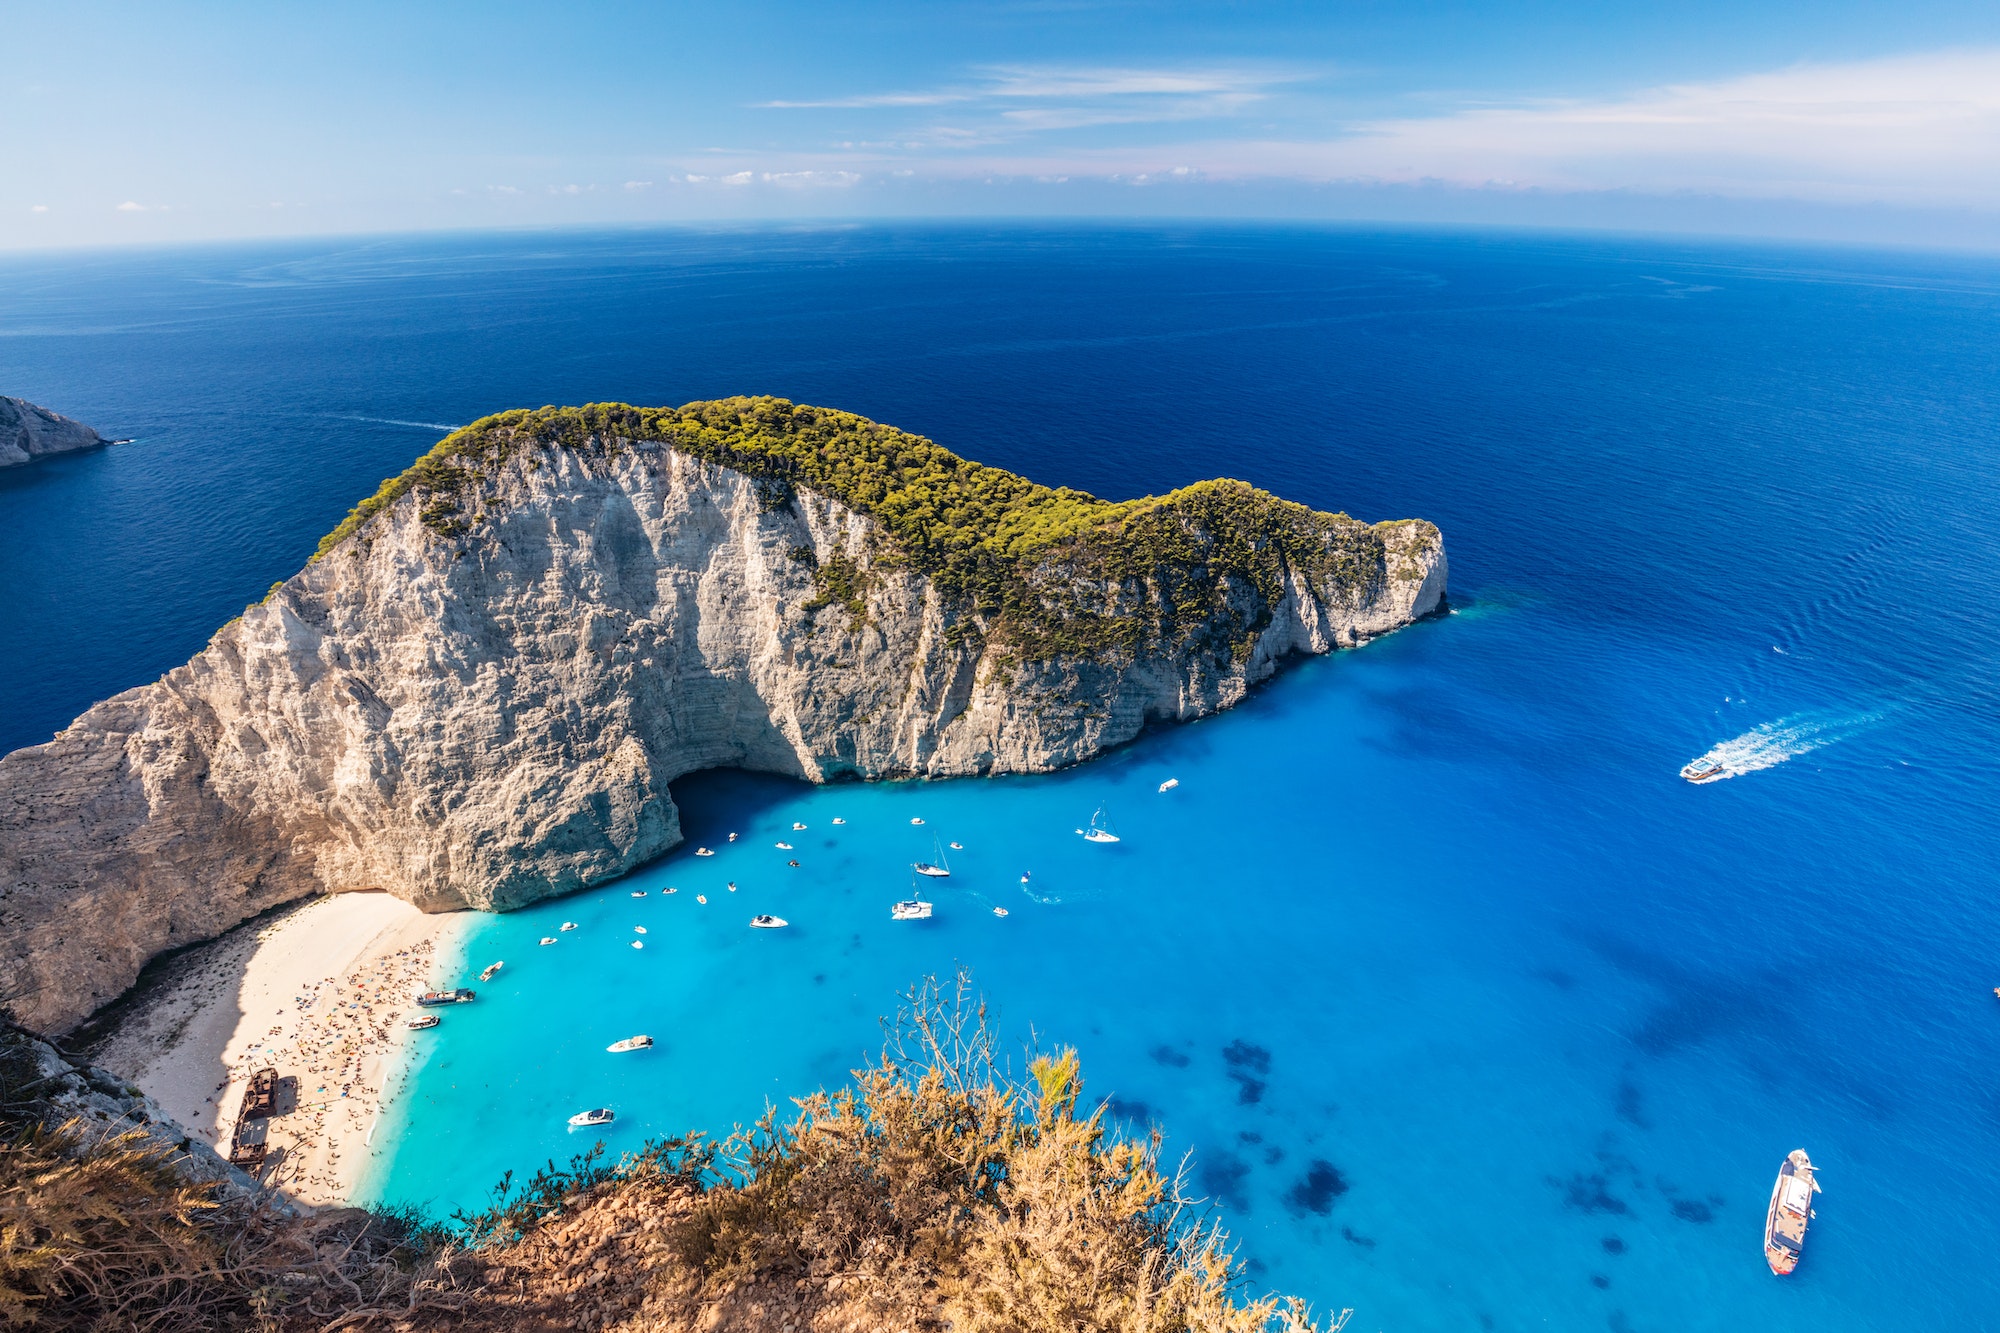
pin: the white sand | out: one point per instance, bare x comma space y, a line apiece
321, 994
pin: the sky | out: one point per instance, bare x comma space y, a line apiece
1837, 120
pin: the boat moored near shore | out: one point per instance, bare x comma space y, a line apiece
433, 998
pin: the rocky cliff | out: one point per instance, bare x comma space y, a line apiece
479, 689
28, 432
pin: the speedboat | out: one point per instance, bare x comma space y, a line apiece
784, 847
732, 886
703, 851
1704, 770
792, 863
999, 911
701, 898
569, 925
1100, 828
1170, 784
548, 939
916, 821
958, 847
603, 1115
487, 975
630, 1044
638, 930
638, 944
732, 837
431, 999
768, 922
797, 827
427, 1021
638, 893
910, 909
839, 821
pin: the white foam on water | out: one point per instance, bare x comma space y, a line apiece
1771, 743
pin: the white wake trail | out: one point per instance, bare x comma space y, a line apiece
1772, 743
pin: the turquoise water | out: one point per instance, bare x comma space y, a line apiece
1472, 1014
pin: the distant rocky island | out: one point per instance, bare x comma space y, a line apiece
28, 432
478, 690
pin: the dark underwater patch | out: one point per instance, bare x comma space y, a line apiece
1136, 1111
1248, 1136
1613, 1245
1599, 1281
1249, 1091
1631, 1104
1317, 1190
1353, 1237
1167, 1055
1222, 1177
1692, 1210
1590, 1194
1556, 977
1240, 1054
1273, 1155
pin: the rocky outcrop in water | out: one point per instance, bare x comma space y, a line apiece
479, 691
28, 432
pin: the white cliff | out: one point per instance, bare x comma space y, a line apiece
28, 432
483, 705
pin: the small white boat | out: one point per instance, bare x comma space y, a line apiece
703, 851
768, 922
839, 821
569, 925
487, 975
958, 846
797, 827
638, 893
701, 898
603, 1115
630, 1044
639, 930
427, 1021
1170, 784
732, 837
548, 939
916, 821
638, 944
784, 846
670, 889
732, 886
910, 909
999, 911
1100, 828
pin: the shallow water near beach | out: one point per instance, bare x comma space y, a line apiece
1472, 1014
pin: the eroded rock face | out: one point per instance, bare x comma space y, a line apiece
28, 432
491, 716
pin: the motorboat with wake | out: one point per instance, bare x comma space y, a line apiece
641, 1043
1100, 828
603, 1115
765, 921
910, 909
1703, 770
1791, 1209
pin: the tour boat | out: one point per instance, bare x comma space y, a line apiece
569, 925
487, 975
548, 939
767, 922
1704, 770
630, 1044
1791, 1209
427, 1021
912, 909
940, 870
603, 1115
1100, 828
703, 851
1170, 784
430, 999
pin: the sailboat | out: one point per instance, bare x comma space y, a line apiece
940, 870
1100, 828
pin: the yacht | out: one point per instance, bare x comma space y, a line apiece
939, 869
487, 975
910, 909
431, 999
1791, 1209
766, 921
1100, 828
427, 1021
630, 1044
603, 1115
1704, 770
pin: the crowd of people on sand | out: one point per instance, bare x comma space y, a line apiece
336, 1039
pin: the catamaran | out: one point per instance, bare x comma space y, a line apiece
940, 869
910, 909
1100, 828
630, 1044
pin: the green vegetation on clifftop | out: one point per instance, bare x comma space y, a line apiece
1207, 560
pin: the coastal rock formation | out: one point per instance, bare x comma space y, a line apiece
28, 432
478, 691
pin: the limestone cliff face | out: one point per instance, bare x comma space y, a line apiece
28, 432
487, 711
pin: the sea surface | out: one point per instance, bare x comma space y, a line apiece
1472, 1014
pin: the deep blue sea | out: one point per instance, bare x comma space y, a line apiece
1473, 1015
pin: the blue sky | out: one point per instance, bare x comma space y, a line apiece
129, 123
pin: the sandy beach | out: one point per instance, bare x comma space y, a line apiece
321, 993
